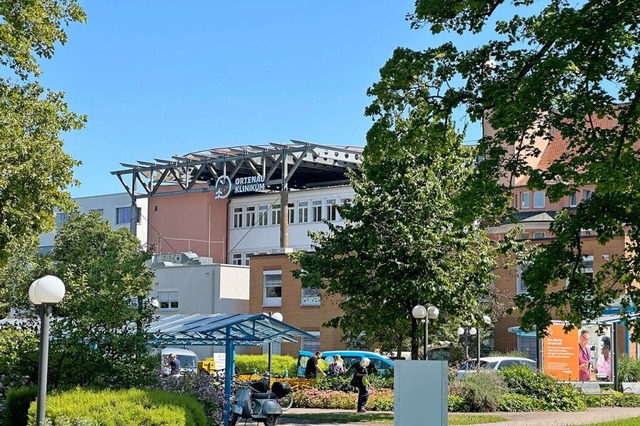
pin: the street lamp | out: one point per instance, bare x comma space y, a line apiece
420, 312
467, 331
487, 321
44, 293
278, 317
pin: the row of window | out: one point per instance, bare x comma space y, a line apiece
300, 212
522, 200
272, 291
123, 215
521, 287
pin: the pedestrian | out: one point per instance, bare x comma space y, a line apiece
174, 364
361, 381
313, 369
337, 366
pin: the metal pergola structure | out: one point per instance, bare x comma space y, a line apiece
230, 330
296, 165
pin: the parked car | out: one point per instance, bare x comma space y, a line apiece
188, 360
493, 363
380, 364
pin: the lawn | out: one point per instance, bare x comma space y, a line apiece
622, 422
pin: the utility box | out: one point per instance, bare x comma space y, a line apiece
420, 393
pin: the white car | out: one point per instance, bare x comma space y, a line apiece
494, 363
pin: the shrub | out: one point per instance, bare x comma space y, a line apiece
481, 391
281, 365
17, 405
379, 399
628, 369
553, 395
124, 407
207, 389
458, 404
512, 402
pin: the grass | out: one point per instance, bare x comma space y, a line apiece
387, 418
622, 422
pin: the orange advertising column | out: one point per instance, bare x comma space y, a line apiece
560, 352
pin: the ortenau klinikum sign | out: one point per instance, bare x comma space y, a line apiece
240, 185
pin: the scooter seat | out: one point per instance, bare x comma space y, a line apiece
264, 395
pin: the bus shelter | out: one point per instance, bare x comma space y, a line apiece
228, 330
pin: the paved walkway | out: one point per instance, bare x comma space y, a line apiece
590, 416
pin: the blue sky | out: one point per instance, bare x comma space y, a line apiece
159, 78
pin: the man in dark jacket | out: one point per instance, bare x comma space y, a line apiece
313, 369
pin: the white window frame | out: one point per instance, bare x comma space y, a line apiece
236, 259
251, 215
238, 213
268, 281
311, 344
332, 209
276, 214
263, 215
573, 199
538, 199
123, 215
316, 211
521, 287
587, 194
310, 297
291, 209
524, 200
303, 212
169, 299
539, 235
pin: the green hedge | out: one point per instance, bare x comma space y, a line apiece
17, 405
281, 365
132, 407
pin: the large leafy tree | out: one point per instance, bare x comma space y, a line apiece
550, 68
99, 337
402, 243
35, 172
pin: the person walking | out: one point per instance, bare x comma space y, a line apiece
361, 380
313, 369
337, 366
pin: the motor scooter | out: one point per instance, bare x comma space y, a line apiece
254, 400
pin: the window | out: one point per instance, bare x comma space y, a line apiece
538, 235
272, 288
332, 210
524, 200
527, 345
311, 344
276, 214
586, 194
573, 200
316, 211
237, 217
521, 287
123, 215
61, 218
310, 297
292, 212
523, 236
538, 199
236, 259
251, 215
262, 215
515, 201
303, 212
587, 266
168, 299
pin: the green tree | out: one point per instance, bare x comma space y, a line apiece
99, 324
402, 243
36, 172
548, 68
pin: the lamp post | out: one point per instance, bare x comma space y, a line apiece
44, 293
487, 322
420, 312
467, 331
278, 317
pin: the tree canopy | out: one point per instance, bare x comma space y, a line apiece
35, 172
554, 70
402, 243
100, 319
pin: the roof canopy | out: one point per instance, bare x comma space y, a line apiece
220, 329
297, 165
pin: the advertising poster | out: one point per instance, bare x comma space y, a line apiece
582, 354
560, 353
